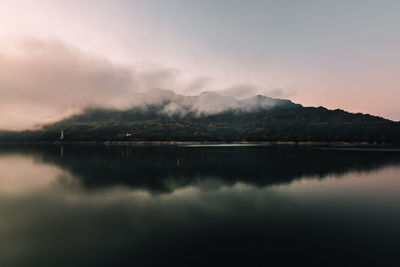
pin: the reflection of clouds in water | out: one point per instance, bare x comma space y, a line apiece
105, 225
108, 227
60, 222
384, 182
154, 169
23, 175
20, 174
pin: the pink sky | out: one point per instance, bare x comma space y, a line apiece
343, 54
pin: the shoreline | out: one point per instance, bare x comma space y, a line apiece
216, 143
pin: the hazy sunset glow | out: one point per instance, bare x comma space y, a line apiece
58, 57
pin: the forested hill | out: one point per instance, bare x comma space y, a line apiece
179, 118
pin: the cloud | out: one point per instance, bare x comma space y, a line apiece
240, 91
44, 81
243, 91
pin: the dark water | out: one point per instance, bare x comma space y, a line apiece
208, 206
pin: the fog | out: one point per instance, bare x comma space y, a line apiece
337, 54
43, 81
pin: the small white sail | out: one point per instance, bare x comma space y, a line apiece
62, 135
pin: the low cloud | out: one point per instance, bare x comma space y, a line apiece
243, 91
44, 81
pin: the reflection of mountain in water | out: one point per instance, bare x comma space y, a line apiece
75, 226
165, 168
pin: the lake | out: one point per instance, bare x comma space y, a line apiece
182, 205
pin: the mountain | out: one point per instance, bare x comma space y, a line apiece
165, 116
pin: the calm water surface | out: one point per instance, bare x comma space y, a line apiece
196, 205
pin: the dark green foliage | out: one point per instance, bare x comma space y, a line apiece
289, 122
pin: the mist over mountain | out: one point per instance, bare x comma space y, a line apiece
163, 115
45, 81
206, 103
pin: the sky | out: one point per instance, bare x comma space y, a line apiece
58, 57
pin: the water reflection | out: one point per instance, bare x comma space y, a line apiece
251, 206
14, 178
166, 168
